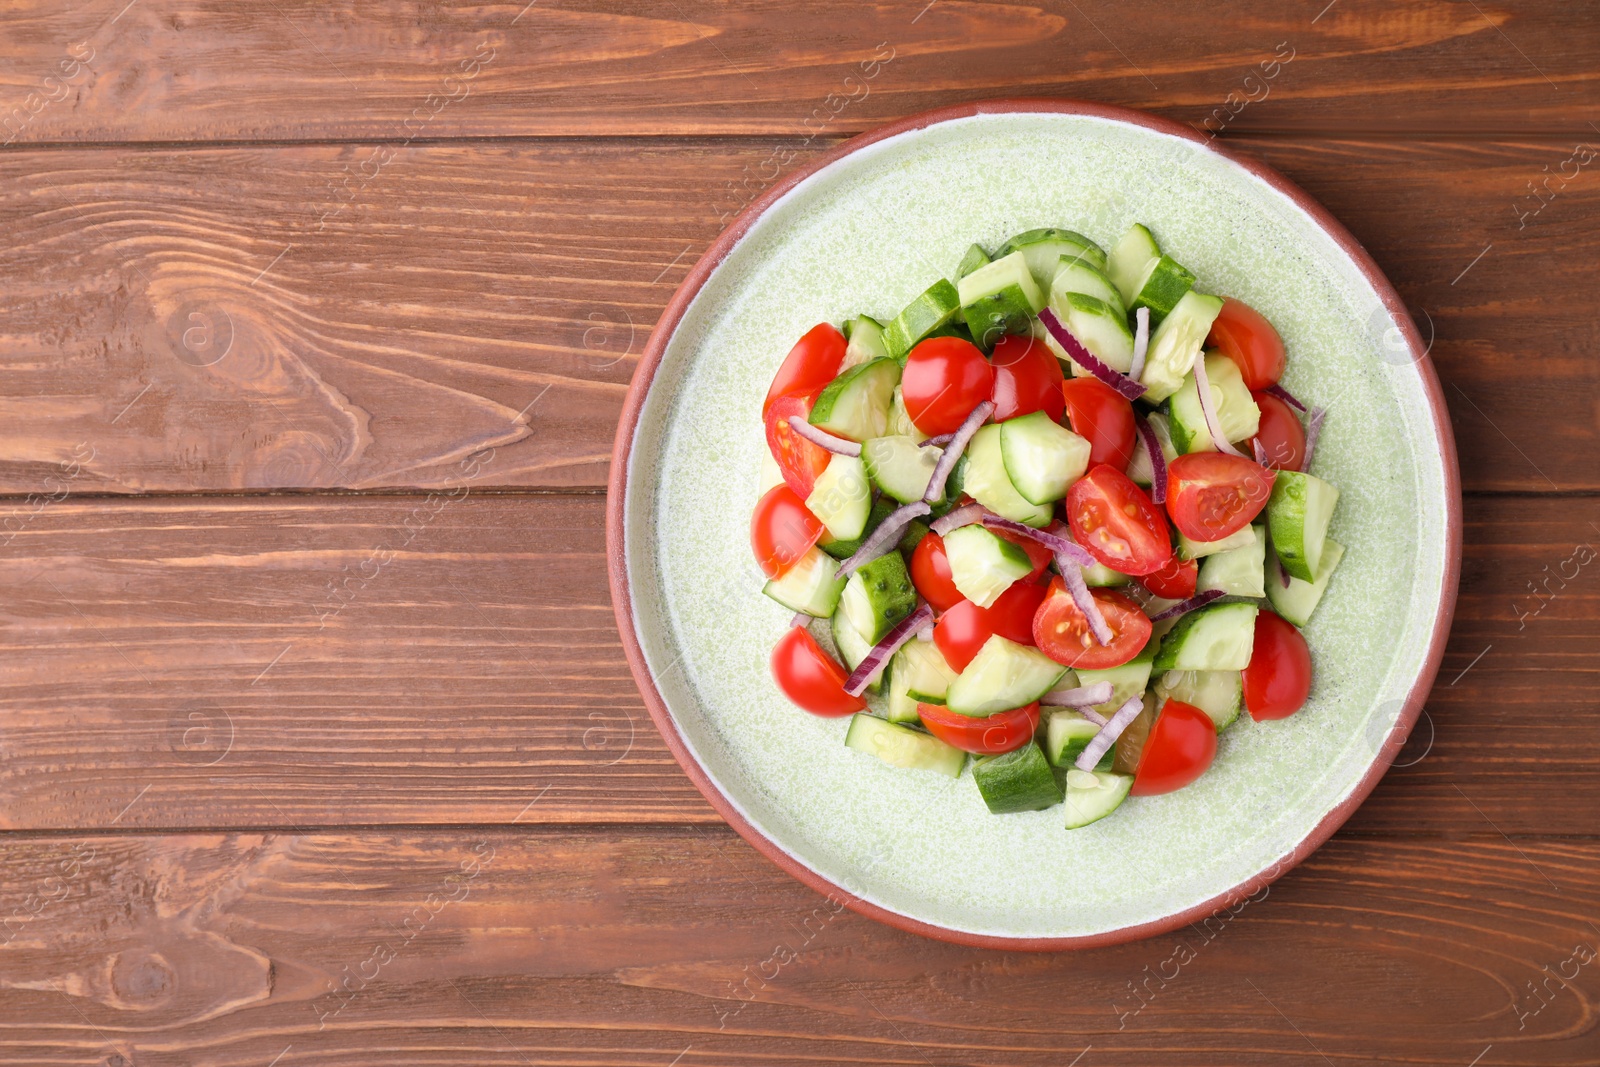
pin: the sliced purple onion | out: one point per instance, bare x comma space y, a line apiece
958, 444
800, 619
965, 515
1101, 742
1313, 431
1094, 716
1284, 395
1260, 450
1072, 578
1199, 600
1283, 576
1054, 539
1141, 344
885, 537
1087, 360
823, 437
1158, 461
1208, 409
1081, 697
938, 440
873, 662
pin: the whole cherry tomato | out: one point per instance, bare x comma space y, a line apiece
1181, 745
1115, 522
810, 677
1027, 378
1282, 437
782, 530
1062, 632
1103, 417
1211, 494
944, 379
962, 630
1278, 679
1245, 336
812, 363
1003, 731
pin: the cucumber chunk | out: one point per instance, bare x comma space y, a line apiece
1139, 468
1236, 410
1163, 285
1067, 734
878, 596
900, 466
841, 499
1175, 343
856, 404
1099, 576
1092, 795
1217, 693
1077, 275
1188, 549
1238, 571
853, 646
1003, 675
986, 481
934, 309
982, 565
975, 257
1128, 679
1099, 327
1298, 513
900, 424
1300, 599
901, 746
809, 585
1218, 637
1042, 458
1044, 248
1130, 260
882, 508
1000, 298
1016, 781
918, 674
865, 344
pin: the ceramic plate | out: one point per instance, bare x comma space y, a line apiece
866, 230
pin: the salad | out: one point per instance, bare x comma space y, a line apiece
1056, 516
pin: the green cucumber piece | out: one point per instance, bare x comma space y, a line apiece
1077, 275
1175, 344
1188, 549
1127, 679
1163, 285
1217, 693
877, 596
1000, 298
1092, 795
856, 404
986, 481
1139, 468
1130, 261
900, 466
1003, 675
881, 509
1300, 598
918, 674
900, 424
1099, 576
1044, 248
982, 565
975, 257
841, 499
1237, 412
809, 585
1067, 734
853, 646
865, 335
1237, 571
1298, 513
1218, 637
1098, 326
901, 746
932, 310
1042, 458
1016, 781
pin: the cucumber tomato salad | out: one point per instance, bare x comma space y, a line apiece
1056, 516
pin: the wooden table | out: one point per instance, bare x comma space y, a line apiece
318, 742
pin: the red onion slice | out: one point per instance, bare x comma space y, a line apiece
965, 515
958, 444
1208, 409
1081, 697
1087, 360
800, 619
884, 538
1072, 578
1313, 431
1101, 742
873, 662
823, 437
1054, 539
1199, 600
1260, 450
1094, 716
938, 440
1284, 395
1141, 345
1158, 461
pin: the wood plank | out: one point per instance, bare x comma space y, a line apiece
464, 281
636, 946
221, 663
165, 70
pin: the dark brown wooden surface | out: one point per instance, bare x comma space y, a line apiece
261, 295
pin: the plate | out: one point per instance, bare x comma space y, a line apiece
867, 229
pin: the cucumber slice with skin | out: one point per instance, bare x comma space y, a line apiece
809, 585
1128, 679
1218, 637
882, 508
1003, 675
1176, 342
1300, 599
1042, 458
1000, 298
1044, 248
975, 257
1016, 781
920, 667
1099, 576
1092, 795
932, 310
841, 499
982, 565
852, 646
901, 746
900, 424
877, 596
1163, 285
865, 335
900, 466
986, 481
1298, 513
1238, 571
855, 405
1217, 693
1067, 734
1139, 468
1130, 261
1077, 275
1237, 413
1188, 549
1099, 327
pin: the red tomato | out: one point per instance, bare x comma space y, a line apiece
944, 379
1175, 581
1040, 556
800, 460
1001, 732
810, 677
961, 631
1278, 679
1281, 435
1181, 745
1062, 633
930, 573
1245, 336
1027, 378
782, 530
1114, 520
1211, 495
1103, 417
811, 364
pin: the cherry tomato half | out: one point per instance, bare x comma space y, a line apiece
1211, 494
1281, 435
811, 364
801, 461
1181, 745
1114, 520
1245, 336
1103, 417
1003, 731
962, 631
1278, 679
1062, 633
782, 530
1027, 378
944, 379
1175, 581
810, 677
930, 573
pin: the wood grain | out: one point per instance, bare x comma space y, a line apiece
635, 946
358, 661
169, 70
192, 320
